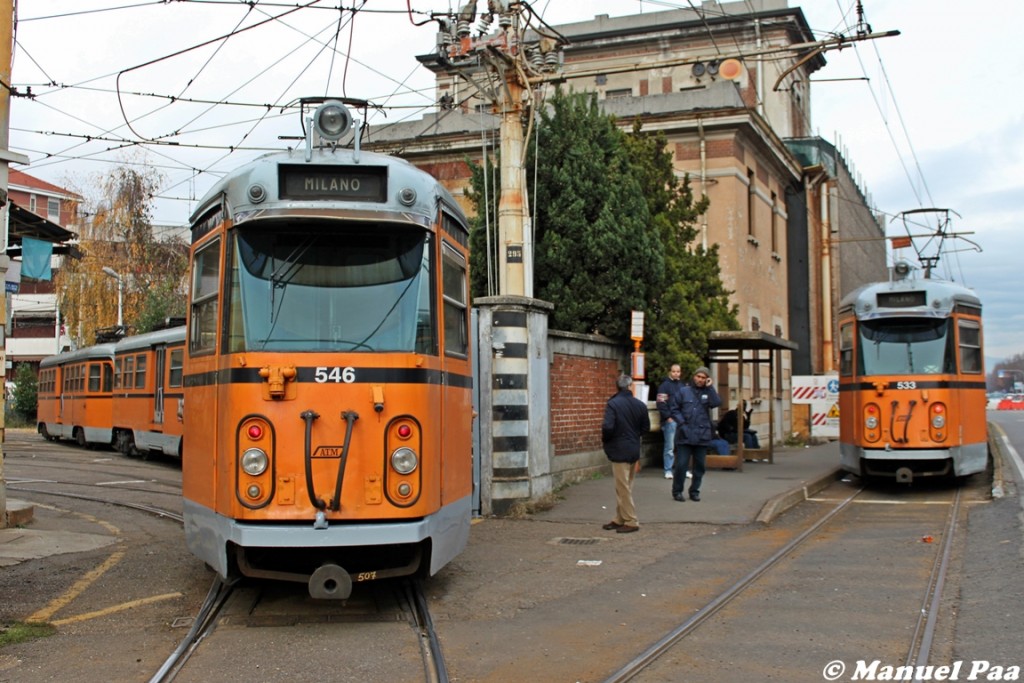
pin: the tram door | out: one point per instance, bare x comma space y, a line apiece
159, 363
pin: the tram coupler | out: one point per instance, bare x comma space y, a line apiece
330, 582
904, 475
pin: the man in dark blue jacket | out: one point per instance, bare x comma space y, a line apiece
691, 409
625, 422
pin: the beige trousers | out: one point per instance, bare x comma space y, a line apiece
625, 509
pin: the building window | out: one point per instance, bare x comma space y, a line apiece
32, 203
53, 210
751, 196
775, 224
621, 92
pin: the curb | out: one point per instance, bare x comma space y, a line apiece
995, 451
784, 501
19, 513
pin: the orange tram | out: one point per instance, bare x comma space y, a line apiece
912, 379
327, 376
74, 395
125, 394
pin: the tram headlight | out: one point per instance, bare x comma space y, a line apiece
938, 421
332, 120
254, 462
404, 460
871, 422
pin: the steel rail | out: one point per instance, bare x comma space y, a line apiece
651, 654
430, 645
152, 509
203, 624
924, 632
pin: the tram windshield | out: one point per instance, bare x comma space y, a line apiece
906, 346
301, 288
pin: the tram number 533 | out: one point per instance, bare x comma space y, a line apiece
906, 385
322, 375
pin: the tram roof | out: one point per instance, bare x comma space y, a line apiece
144, 341
97, 351
941, 295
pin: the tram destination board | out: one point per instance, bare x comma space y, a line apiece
901, 299
344, 183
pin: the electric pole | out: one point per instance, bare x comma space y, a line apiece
510, 69
6, 41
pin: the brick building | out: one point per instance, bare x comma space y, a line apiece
48, 213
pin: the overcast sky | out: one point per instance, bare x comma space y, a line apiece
931, 118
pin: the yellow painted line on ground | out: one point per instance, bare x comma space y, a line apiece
115, 608
84, 582
76, 590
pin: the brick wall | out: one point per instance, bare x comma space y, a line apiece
580, 387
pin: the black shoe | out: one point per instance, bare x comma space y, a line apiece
627, 529
680, 497
611, 526
695, 497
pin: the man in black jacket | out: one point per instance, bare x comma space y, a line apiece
625, 422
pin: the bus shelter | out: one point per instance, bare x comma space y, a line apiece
749, 349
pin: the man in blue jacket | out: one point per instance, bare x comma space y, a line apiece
691, 408
625, 422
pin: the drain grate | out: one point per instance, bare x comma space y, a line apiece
578, 541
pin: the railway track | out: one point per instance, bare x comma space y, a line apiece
749, 601
340, 641
407, 605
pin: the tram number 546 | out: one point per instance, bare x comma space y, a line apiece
323, 375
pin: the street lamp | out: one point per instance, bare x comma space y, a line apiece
107, 270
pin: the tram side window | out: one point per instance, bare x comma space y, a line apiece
970, 347
140, 371
95, 376
175, 372
846, 350
44, 382
129, 372
205, 280
453, 273
117, 373
108, 377
78, 378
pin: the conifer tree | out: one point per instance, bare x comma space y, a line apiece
690, 302
613, 233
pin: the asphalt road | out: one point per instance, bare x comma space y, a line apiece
517, 605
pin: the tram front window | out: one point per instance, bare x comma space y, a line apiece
905, 347
331, 288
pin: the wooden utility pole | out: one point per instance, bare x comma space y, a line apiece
6, 41
6, 156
